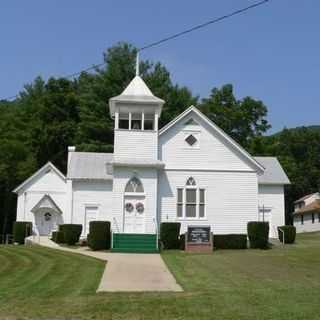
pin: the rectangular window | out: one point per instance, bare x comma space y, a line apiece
301, 219
179, 203
201, 203
191, 203
124, 121
148, 121
136, 120
312, 217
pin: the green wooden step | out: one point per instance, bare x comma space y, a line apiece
138, 243
134, 250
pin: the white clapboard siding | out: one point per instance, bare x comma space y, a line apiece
135, 144
92, 193
210, 152
47, 183
271, 197
307, 225
148, 177
231, 199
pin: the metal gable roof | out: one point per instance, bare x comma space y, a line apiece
89, 165
273, 173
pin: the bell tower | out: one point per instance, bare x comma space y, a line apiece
136, 112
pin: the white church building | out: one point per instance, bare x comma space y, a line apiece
189, 171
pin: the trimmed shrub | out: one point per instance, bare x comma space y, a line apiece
182, 241
21, 230
58, 236
71, 233
169, 235
61, 228
230, 241
258, 234
289, 234
99, 236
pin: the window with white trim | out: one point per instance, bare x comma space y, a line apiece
134, 185
191, 201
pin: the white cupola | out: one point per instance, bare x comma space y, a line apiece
136, 108
136, 112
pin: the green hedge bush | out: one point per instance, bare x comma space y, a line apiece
21, 230
71, 233
61, 228
289, 234
230, 241
258, 234
169, 235
58, 236
99, 236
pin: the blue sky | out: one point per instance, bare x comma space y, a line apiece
271, 53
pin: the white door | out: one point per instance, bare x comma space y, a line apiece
46, 222
134, 215
91, 214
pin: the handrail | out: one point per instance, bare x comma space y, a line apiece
117, 229
157, 235
282, 231
116, 224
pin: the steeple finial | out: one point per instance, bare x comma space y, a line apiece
137, 64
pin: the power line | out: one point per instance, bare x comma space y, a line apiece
200, 26
174, 36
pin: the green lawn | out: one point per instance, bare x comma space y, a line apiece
282, 283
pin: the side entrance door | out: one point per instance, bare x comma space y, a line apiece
91, 214
46, 222
134, 215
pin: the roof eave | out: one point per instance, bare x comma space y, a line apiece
278, 183
89, 178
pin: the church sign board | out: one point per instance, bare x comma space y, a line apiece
199, 238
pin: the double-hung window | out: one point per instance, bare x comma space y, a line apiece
191, 201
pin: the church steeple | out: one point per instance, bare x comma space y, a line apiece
136, 108
136, 112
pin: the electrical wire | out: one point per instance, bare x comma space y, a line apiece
174, 36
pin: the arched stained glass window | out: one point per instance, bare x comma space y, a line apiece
134, 185
191, 182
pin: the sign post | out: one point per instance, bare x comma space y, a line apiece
199, 239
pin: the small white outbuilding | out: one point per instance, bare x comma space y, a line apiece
189, 171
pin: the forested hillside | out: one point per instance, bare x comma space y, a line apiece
50, 115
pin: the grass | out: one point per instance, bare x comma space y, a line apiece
282, 283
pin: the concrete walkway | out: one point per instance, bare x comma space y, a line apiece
124, 272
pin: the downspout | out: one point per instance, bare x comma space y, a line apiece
71, 149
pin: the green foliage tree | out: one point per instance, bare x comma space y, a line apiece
242, 119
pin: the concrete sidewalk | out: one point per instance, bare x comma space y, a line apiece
124, 272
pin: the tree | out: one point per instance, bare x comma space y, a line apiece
298, 151
242, 119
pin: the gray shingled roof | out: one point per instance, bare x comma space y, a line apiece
89, 165
274, 173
